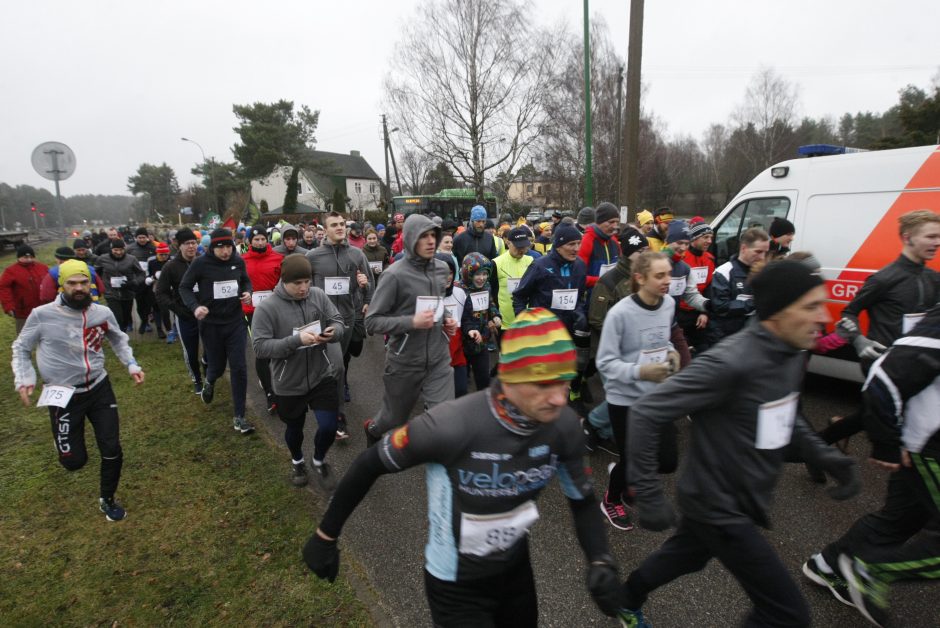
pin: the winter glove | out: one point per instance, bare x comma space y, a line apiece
604, 585
322, 557
654, 372
149, 281
868, 349
843, 470
654, 512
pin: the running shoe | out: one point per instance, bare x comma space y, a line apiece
826, 577
197, 388
242, 425
298, 474
111, 509
324, 474
171, 337
617, 514
369, 428
208, 391
342, 430
632, 619
868, 592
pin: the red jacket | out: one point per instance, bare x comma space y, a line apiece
595, 252
697, 260
19, 287
264, 271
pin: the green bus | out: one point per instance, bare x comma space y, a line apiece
454, 204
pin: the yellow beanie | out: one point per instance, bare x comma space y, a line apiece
72, 267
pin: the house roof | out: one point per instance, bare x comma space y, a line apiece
342, 165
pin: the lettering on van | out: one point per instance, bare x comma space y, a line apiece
842, 289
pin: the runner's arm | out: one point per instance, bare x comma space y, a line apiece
23, 372
120, 343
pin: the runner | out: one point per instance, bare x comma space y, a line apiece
20, 284
477, 568
122, 277
288, 245
167, 293
479, 319
161, 317
732, 303
292, 329
142, 249
742, 396
509, 269
600, 247
263, 266
67, 335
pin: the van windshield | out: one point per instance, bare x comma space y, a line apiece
754, 212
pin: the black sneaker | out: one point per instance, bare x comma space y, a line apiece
208, 391
242, 425
197, 388
324, 475
371, 437
617, 514
831, 580
342, 430
111, 509
869, 593
590, 435
298, 474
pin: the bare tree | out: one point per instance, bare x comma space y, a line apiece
770, 109
415, 167
466, 84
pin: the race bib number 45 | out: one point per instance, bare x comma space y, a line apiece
482, 535
336, 286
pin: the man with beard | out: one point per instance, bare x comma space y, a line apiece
68, 334
475, 238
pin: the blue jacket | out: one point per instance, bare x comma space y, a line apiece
732, 303
546, 274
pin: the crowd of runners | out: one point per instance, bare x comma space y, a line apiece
529, 314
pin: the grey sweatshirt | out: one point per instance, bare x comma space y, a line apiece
633, 334
70, 349
342, 260
393, 304
295, 369
727, 478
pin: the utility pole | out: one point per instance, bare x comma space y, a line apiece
394, 165
388, 178
588, 162
631, 140
619, 133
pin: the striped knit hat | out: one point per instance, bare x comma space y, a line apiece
536, 348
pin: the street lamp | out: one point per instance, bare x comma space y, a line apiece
206, 165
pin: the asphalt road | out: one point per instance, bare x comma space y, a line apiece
383, 541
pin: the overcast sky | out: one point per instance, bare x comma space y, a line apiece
121, 81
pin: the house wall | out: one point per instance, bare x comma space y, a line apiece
364, 194
273, 188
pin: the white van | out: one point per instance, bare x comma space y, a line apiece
845, 209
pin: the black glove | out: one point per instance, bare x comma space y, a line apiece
604, 585
322, 557
843, 470
654, 512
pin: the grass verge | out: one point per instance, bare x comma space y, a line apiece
213, 532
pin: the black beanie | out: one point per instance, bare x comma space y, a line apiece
632, 241
25, 249
63, 253
220, 237
118, 243
780, 227
79, 244
606, 211
141, 231
295, 267
780, 284
565, 234
184, 235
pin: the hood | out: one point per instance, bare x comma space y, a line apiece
280, 291
415, 225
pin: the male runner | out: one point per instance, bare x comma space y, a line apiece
167, 293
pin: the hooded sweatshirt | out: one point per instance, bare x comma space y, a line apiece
264, 271
215, 279
342, 260
296, 369
393, 304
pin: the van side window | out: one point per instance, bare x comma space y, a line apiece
754, 212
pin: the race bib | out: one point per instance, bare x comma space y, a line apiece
775, 421
910, 321
482, 535
653, 356
699, 274
677, 286
258, 297
434, 304
313, 328
605, 268
564, 299
336, 286
225, 289
143, 266
452, 309
480, 300
376, 267
512, 283
58, 396
117, 282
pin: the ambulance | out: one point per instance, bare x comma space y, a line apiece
845, 208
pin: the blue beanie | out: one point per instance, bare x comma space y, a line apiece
477, 213
380, 227
678, 230
564, 234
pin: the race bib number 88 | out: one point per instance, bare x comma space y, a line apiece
482, 535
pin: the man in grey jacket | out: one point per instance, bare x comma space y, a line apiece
288, 245
122, 277
298, 330
742, 396
409, 307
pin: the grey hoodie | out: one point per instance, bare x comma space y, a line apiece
295, 369
393, 304
342, 260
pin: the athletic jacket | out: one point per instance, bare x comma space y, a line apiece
903, 394
212, 274
701, 263
506, 267
597, 250
682, 288
281, 249
393, 305
902, 287
731, 300
127, 267
547, 274
264, 271
343, 260
70, 348
19, 287
142, 253
730, 473
470, 241
296, 369
167, 289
